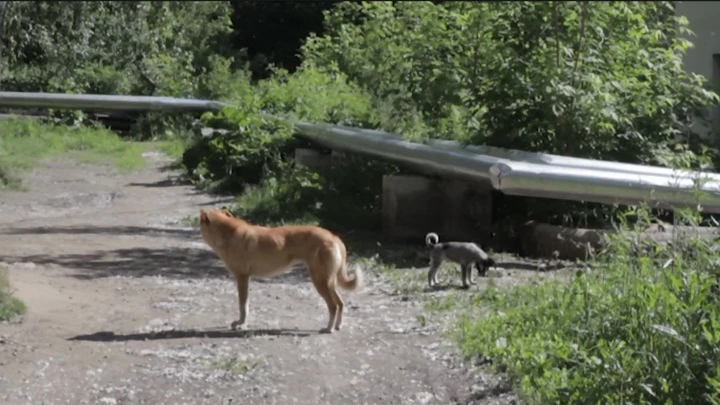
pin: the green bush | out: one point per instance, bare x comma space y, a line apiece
252, 154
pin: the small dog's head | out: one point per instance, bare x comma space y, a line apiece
484, 265
212, 224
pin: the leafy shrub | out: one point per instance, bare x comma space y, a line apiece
240, 151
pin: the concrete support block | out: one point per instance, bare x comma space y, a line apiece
416, 205
312, 158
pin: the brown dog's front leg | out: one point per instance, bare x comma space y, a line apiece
243, 282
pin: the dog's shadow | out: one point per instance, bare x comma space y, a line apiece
108, 336
446, 287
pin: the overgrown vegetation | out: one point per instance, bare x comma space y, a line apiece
10, 306
641, 327
24, 141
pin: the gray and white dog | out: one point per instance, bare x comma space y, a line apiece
463, 253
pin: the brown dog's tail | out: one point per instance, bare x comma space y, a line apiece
344, 280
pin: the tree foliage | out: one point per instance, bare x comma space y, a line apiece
134, 47
601, 80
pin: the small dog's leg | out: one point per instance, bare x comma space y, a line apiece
432, 272
482, 268
243, 283
466, 269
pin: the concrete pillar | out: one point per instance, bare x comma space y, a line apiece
416, 205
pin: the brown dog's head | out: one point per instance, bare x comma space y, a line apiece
215, 226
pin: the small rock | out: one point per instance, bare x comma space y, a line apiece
424, 397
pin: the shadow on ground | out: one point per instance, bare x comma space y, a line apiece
186, 233
516, 265
172, 181
106, 336
174, 262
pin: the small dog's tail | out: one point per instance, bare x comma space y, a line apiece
344, 280
432, 239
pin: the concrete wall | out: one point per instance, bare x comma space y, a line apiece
704, 57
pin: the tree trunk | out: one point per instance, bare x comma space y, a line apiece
3, 8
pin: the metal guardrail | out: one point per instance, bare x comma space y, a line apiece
105, 102
524, 178
535, 157
512, 172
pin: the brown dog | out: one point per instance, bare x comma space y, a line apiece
250, 250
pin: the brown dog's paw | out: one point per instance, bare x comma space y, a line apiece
326, 330
236, 325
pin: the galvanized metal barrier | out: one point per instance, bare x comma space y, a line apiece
104, 102
512, 172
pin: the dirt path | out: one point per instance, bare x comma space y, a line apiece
127, 306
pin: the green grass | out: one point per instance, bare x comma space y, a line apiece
24, 142
639, 328
10, 307
172, 148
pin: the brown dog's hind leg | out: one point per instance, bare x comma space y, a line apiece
243, 282
340, 305
323, 288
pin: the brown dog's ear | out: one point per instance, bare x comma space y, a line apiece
204, 218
